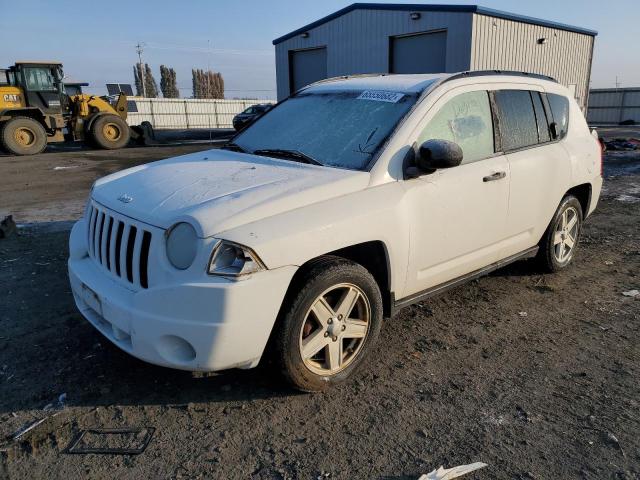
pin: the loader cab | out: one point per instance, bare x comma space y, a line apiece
5, 78
42, 86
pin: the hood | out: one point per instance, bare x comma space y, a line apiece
218, 189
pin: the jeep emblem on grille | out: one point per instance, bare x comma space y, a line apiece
124, 198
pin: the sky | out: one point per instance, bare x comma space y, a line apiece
95, 40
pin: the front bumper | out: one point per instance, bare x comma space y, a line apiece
207, 323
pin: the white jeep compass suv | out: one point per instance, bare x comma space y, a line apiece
348, 201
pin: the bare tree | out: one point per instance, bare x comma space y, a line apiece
137, 77
150, 84
145, 77
207, 84
168, 83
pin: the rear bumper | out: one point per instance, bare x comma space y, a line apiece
208, 324
596, 188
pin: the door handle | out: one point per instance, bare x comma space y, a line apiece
494, 176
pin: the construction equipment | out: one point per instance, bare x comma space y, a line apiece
35, 110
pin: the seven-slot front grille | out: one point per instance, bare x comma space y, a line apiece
120, 245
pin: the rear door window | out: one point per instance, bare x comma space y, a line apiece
541, 118
518, 126
465, 120
560, 110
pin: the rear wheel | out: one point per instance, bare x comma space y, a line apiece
560, 241
110, 132
23, 136
330, 325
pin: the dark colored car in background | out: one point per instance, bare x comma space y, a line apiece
243, 119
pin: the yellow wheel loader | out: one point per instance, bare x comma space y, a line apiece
36, 110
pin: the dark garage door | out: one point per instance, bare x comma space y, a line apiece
420, 53
307, 66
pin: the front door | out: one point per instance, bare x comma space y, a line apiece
458, 215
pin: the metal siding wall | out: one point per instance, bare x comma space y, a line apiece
169, 113
358, 42
509, 45
612, 106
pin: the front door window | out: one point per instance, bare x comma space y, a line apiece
465, 120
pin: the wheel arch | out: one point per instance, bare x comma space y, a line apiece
92, 119
583, 193
372, 255
29, 112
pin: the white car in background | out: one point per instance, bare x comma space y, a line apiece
348, 201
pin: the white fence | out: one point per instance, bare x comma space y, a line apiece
178, 113
610, 106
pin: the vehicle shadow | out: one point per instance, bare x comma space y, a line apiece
47, 348
521, 268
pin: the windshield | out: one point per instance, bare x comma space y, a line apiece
340, 129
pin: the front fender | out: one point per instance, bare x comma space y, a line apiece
297, 236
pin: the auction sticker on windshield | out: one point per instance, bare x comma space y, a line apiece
381, 96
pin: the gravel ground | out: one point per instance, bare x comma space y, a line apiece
536, 375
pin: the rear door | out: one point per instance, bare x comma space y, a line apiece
538, 165
458, 214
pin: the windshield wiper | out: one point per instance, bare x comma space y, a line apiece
288, 154
233, 147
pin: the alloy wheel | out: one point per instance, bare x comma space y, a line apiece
566, 235
335, 328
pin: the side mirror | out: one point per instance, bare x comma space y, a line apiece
553, 127
438, 153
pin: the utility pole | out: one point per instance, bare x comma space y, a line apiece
617, 82
139, 50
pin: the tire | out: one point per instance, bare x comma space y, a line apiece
342, 340
560, 240
109, 132
23, 136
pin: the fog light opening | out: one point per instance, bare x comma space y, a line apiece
175, 349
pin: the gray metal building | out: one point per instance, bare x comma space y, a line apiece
401, 38
611, 106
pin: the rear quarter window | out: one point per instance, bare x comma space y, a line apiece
560, 110
541, 118
518, 126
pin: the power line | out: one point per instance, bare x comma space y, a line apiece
208, 49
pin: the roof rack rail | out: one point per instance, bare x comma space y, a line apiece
482, 73
346, 77
339, 77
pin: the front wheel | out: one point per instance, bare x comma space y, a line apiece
330, 326
110, 132
560, 240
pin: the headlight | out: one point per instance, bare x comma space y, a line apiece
182, 245
231, 259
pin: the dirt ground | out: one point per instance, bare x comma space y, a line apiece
536, 375
53, 186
